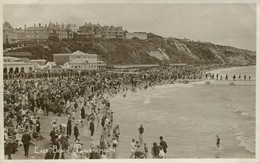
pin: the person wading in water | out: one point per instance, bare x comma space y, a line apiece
218, 141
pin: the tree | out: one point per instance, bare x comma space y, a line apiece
53, 38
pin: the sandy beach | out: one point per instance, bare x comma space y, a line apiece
183, 114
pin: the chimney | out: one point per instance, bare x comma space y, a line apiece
25, 26
39, 24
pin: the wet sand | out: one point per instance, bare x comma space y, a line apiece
189, 116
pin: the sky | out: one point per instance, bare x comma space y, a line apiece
223, 24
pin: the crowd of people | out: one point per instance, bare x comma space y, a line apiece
84, 99
139, 149
226, 77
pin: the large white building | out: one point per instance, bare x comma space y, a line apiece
79, 60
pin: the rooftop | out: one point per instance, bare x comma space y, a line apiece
41, 28
75, 53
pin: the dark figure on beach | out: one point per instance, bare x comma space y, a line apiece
218, 141
141, 131
59, 108
239, 77
220, 77
8, 148
52, 135
146, 87
155, 150
56, 147
38, 125
244, 77
116, 131
103, 121
163, 144
249, 77
45, 105
69, 126
76, 131
64, 145
145, 150
49, 154
26, 138
76, 106
83, 113
91, 128
139, 154
226, 77
234, 77
102, 144
217, 76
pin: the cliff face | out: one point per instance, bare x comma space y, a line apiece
153, 50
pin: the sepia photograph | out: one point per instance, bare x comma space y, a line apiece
129, 81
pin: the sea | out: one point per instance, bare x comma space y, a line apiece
190, 116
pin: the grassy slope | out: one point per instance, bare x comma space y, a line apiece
134, 51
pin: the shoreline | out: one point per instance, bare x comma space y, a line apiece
239, 146
164, 85
228, 68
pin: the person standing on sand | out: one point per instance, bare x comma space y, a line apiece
69, 126
76, 131
103, 121
132, 148
49, 154
8, 148
218, 142
116, 131
114, 142
145, 150
82, 113
56, 147
164, 146
155, 150
26, 138
91, 128
141, 131
38, 125
52, 135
